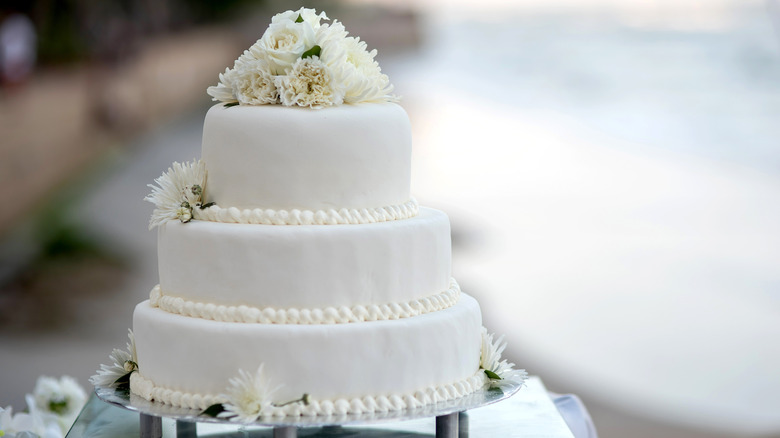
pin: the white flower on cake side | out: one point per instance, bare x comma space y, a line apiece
123, 363
301, 61
497, 369
179, 193
249, 397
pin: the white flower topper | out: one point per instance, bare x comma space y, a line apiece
301, 61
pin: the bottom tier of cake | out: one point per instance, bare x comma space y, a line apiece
344, 368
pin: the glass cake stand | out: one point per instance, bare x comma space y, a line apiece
446, 413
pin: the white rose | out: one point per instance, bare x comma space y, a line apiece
284, 42
309, 16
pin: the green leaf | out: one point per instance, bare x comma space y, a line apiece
205, 206
213, 410
229, 104
492, 375
299, 19
496, 391
314, 51
123, 382
58, 407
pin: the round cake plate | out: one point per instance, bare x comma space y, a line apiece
446, 413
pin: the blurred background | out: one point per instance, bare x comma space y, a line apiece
611, 169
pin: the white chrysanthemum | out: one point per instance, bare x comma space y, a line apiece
247, 397
490, 358
223, 91
353, 66
309, 83
122, 362
253, 83
174, 187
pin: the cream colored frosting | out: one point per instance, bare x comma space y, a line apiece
216, 213
328, 362
327, 315
341, 406
306, 266
350, 157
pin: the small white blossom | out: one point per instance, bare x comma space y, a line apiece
122, 362
174, 187
490, 358
247, 397
184, 214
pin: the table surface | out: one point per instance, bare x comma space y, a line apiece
529, 413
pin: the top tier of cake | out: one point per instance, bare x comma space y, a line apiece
287, 158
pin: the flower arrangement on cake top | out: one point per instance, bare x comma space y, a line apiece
302, 61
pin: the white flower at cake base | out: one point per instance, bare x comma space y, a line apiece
179, 193
123, 362
490, 360
247, 397
59, 400
309, 83
29, 425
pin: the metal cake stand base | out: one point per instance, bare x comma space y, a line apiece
448, 418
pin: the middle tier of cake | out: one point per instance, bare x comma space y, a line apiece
396, 263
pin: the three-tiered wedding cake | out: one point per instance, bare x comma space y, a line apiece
293, 259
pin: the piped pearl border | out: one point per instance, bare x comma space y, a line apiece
367, 404
216, 213
327, 315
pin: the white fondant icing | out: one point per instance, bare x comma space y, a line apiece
306, 266
216, 213
336, 361
327, 315
285, 158
358, 405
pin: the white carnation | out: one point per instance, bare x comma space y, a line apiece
309, 83
254, 84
